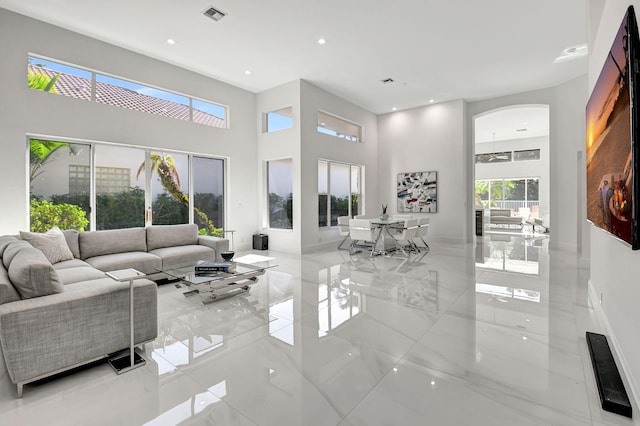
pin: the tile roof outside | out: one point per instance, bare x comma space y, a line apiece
109, 94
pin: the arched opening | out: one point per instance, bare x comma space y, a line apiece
511, 170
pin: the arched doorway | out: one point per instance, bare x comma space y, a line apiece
511, 169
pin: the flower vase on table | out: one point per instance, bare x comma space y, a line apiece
384, 215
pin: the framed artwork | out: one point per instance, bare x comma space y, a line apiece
417, 192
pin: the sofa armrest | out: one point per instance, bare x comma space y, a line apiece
216, 243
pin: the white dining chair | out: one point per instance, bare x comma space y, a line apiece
343, 229
423, 230
407, 233
361, 231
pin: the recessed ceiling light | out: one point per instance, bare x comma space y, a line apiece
321, 41
171, 41
431, 101
572, 52
247, 72
394, 109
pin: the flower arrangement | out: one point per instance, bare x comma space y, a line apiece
384, 215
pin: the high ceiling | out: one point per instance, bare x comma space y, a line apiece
432, 49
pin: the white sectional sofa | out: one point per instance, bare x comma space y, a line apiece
503, 217
60, 315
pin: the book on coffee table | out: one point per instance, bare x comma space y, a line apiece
209, 267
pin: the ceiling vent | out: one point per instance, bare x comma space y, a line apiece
214, 14
521, 130
387, 81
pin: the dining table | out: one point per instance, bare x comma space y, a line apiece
384, 231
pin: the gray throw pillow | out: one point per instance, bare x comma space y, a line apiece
33, 275
53, 244
11, 250
5, 240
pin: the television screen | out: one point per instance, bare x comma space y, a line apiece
611, 145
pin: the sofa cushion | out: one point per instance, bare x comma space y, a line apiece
8, 292
142, 261
52, 243
76, 275
98, 243
73, 263
71, 235
159, 236
32, 274
181, 255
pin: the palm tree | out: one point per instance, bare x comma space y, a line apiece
164, 166
40, 151
39, 154
41, 81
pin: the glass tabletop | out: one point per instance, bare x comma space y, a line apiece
386, 222
187, 272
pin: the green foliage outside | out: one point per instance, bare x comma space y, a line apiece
513, 190
339, 207
39, 81
126, 209
45, 214
280, 211
483, 187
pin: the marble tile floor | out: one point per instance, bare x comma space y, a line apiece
485, 334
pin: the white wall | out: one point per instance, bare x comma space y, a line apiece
614, 266
24, 111
429, 138
518, 169
321, 146
305, 146
566, 146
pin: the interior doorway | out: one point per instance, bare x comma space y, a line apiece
511, 170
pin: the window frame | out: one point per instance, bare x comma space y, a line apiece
148, 201
328, 194
323, 128
95, 74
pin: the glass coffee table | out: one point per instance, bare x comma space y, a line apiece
212, 286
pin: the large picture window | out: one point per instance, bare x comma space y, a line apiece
125, 187
280, 190
339, 189
513, 194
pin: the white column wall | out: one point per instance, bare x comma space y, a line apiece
24, 111
317, 145
429, 138
274, 146
615, 268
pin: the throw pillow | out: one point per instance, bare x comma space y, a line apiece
33, 275
53, 244
11, 250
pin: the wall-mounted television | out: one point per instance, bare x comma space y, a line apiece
612, 139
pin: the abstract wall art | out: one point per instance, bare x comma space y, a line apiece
417, 192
